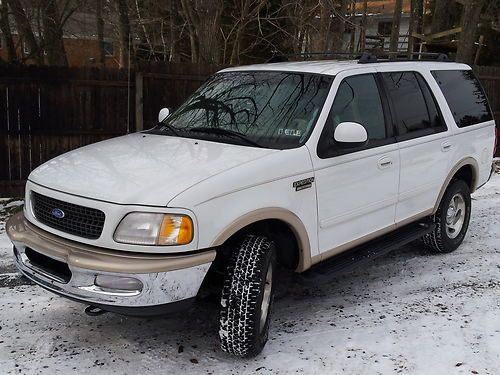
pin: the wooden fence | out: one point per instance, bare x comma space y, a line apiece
490, 79
47, 111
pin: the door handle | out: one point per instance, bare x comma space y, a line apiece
446, 146
384, 162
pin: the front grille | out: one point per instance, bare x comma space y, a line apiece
77, 220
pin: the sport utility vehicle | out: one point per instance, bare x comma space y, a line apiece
306, 165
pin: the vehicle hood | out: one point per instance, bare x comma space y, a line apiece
142, 169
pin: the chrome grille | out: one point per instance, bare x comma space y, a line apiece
76, 220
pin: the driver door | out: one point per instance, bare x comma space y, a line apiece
357, 188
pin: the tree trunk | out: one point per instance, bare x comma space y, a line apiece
362, 34
100, 33
396, 20
352, 22
339, 27
440, 16
322, 44
25, 31
174, 16
124, 31
416, 17
468, 37
53, 35
203, 17
7, 34
189, 16
208, 28
139, 6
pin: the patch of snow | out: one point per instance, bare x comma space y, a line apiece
409, 312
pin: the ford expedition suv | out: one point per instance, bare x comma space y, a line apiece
306, 165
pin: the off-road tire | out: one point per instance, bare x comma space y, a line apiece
240, 330
438, 240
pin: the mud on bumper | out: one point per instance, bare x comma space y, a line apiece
122, 282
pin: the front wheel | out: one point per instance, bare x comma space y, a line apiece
247, 297
451, 219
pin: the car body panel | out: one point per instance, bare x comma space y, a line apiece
140, 169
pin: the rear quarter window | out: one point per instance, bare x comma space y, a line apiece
464, 95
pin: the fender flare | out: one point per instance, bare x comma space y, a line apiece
276, 213
465, 161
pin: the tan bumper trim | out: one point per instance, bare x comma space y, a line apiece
96, 258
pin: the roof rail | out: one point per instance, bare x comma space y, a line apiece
365, 57
368, 57
285, 57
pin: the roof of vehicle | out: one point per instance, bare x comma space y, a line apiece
333, 67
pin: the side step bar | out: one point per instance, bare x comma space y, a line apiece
326, 270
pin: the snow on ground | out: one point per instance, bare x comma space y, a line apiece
409, 312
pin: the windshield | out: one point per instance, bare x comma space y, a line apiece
256, 108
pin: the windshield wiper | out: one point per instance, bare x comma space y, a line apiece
226, 132
169, 127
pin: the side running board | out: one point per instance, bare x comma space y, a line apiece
328, 269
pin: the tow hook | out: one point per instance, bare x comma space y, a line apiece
94, 311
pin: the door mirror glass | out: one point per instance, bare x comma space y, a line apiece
350, 134
164, 112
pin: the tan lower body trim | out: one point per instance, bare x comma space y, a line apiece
95, 258
287, 217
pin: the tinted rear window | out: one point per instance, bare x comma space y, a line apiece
464, 95
415, 109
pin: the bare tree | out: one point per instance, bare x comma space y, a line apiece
7, 34
246, 12
25, 31
396, 20
124, 32
53, 34
468, 36
440, 16
100, 32
362, 34
204, 22
339, 26
416, 18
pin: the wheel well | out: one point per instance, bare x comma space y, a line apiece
278, 231
466, 174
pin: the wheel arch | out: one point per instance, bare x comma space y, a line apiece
467, 170
267, 219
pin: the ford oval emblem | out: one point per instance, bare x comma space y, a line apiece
58, 213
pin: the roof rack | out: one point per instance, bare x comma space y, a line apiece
285, 57
366, 57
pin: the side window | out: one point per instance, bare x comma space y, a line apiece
435, 117
464, 95
357, 100
413, 103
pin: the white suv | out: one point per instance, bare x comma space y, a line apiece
294, 163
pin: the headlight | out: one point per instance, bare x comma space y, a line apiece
142, 228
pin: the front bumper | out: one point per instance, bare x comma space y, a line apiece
165, 279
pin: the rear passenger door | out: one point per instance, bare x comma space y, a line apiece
423, 140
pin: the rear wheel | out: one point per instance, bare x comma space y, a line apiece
247, 297
451, 219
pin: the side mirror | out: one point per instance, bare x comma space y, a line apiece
164, 112
350, 134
